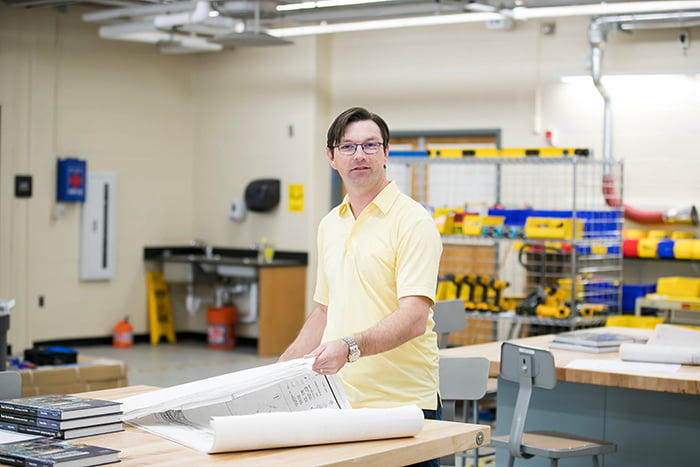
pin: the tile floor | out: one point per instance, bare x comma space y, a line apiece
167, 365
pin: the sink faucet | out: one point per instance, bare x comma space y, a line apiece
208, 249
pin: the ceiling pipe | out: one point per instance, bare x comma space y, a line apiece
130, 12
197, 15
597, 37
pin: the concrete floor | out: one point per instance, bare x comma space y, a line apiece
167, 365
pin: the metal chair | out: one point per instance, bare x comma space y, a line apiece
449, 315
534, 367
462, 379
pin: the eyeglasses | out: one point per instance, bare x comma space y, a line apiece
348, 149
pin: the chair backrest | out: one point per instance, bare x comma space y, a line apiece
10, 385
529, 367
463, 378
449, 316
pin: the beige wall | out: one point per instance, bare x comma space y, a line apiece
125, 110
184, 134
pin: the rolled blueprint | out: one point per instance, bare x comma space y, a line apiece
310, 427
668, 334
685, 355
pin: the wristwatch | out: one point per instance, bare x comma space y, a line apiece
353, 349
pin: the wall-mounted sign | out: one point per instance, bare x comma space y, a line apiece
296, 198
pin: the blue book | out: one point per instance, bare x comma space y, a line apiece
59, 406
592, 339
52, 424
54, 452
63, 434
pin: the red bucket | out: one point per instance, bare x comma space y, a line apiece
220, 327
630, 247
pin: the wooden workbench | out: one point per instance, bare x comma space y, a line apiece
437, 439
684, 381
651, 416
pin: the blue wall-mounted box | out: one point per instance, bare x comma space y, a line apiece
70, 185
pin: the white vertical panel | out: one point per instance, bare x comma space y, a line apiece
97, 231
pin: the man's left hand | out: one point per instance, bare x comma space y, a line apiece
330, 357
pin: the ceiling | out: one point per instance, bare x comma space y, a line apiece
210, 25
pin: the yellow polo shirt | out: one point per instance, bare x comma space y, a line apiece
365, 265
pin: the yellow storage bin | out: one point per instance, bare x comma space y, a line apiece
678, 286
599, 249
658, 234
634, 234
629, 321
553, 227
648, 248
444, 220
683, 249
472, 224
677, 235
565, 286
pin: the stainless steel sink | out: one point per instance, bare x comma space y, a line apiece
188, 268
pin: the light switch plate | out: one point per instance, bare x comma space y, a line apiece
237, 210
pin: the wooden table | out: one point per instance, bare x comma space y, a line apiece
654, 417
685, 381
438, 438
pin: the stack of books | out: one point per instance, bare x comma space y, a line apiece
592, 342
55, 452
60, 416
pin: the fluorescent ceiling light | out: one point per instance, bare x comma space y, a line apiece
518, 13
587, 79
324, 4
523, 13
385, 24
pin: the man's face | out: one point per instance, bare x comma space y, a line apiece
360, 170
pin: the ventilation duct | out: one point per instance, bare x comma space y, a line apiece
597, 37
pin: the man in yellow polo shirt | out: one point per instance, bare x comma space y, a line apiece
378, 257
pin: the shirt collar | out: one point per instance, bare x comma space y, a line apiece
383, 201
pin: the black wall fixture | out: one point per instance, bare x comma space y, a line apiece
262, 195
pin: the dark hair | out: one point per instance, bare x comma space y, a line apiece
354, 114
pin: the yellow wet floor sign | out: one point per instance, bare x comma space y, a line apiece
160, 312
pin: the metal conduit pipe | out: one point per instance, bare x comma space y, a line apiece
597, 36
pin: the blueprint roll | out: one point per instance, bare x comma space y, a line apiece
311, 427
685, 355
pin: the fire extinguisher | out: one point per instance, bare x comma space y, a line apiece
123, 334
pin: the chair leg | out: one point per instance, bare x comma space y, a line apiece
595, 461
475, 420
553, 462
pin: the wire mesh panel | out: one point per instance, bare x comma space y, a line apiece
536, 237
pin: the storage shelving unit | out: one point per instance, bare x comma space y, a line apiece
550, 186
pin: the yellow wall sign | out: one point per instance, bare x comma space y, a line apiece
296, 198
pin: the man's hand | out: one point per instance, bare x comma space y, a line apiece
330, 357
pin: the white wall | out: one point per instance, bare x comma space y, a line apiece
186, 133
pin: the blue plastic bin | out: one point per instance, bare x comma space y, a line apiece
630, 293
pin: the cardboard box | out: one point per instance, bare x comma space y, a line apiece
88, 374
